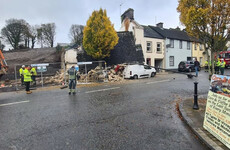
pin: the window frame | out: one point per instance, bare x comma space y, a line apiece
188, 45
171, 62
171, 43
181, 44
148, 51
159, 47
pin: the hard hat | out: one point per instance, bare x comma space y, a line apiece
23, 66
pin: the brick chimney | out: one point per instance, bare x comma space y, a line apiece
128, 14
160, 25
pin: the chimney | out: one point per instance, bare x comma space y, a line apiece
128, 14
160, 25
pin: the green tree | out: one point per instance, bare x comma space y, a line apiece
99, 35
207, 20
14, 31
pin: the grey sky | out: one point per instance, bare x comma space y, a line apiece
64, 13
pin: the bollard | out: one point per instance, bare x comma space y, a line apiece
195, 105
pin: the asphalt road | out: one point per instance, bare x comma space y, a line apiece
137, 115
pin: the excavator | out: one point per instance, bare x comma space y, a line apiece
3, 65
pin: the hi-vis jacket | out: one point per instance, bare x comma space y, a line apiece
27, 75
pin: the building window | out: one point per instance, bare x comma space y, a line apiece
148, 61
171, 60
149, 47
201, 47
180, 45
158, 47
171, 43
188, 45
195, 46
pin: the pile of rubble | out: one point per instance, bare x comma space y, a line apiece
57, 79
111, 74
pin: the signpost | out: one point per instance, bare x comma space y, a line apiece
41, 68
217, 114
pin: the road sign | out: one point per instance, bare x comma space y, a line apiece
41, 69
84, 63
37, 65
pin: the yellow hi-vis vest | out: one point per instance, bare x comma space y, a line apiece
33, 71
21, 71
222, 64
27, 75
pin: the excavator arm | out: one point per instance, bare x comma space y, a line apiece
3, 65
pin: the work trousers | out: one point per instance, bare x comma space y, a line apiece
72, 85
27, 86
222, 70
22, 80
34, 79
217, 68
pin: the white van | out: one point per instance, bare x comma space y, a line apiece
139, 71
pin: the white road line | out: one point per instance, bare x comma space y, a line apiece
14, 103
158, 81
101, 90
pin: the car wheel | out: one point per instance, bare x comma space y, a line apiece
135, 77
190, 70
153, 74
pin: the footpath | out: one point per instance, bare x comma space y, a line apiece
194, 119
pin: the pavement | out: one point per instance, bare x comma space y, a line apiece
194, 119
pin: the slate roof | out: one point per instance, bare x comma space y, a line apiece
124, 52
172, 33
148, 32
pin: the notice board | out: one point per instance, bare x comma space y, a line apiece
217, 113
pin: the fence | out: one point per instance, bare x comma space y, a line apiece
84, 70
56, 73
47, 73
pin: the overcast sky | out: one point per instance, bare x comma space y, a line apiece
64, 13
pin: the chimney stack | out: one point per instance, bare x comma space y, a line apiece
128, 14
160, 25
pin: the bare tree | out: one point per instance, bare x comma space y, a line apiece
14, 31
33, 35
76, 34
47, 33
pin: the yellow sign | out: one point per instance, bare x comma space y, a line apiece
217, 117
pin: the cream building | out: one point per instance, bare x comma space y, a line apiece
199, 52
150, 41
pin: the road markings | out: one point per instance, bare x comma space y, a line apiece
158, 81
101, 90
14, 103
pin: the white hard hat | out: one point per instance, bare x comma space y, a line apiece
23, 66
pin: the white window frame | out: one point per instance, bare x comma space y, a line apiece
171, 43
188, 45
171, 60
150, 47
159, 47
201, 47
180, 44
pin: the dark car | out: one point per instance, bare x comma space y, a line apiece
187, 66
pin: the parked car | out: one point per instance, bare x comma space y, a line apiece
139, 71
187, 66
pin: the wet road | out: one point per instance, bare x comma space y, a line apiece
137, 115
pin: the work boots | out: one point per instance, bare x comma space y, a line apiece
28, 92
